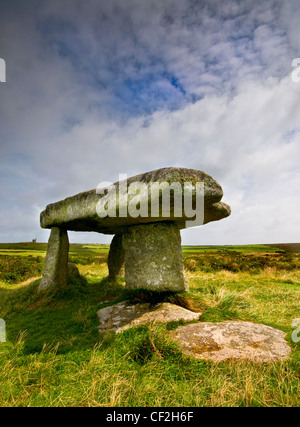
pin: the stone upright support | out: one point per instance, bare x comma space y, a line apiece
116, 258
153, 258
56, 263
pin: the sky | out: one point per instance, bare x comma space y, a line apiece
98, 88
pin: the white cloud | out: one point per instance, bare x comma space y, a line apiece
89, 95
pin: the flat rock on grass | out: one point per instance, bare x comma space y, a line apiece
123, 316
232, 340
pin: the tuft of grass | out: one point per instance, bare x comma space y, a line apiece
222, 304
148, 343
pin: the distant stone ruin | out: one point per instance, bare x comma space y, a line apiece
145, 214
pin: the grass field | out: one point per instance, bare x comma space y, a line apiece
54, 356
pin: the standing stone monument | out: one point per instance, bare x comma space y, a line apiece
56, 262
145, 213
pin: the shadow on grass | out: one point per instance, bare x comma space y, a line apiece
66, 319
62, 318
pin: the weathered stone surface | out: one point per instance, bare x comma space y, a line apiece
124, 316
56, 261
232, 340
153, 258
79, 213
116, 258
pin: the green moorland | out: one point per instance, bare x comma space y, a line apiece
54, 356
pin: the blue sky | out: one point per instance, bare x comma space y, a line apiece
99, 88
